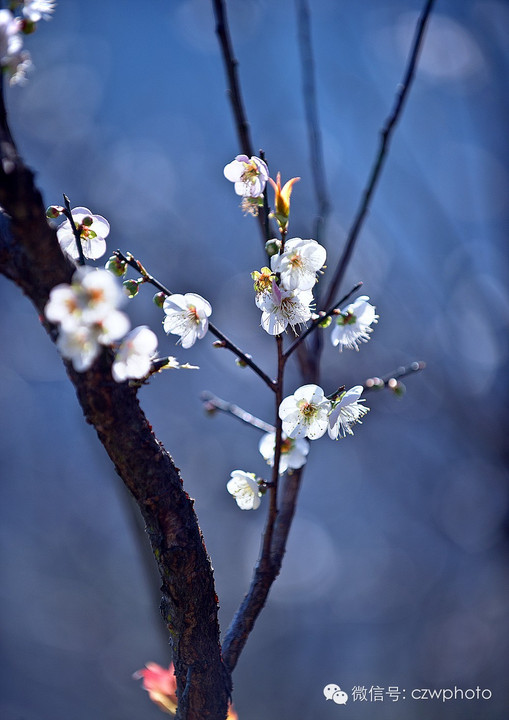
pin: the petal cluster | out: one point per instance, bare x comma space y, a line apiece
293, 451
346, 412
249, 175
133, 359
187, 316
309, 413
245, 489
161, 685
14, 61
92, 230
35, 10
281, 308
353, 324
305, 413
87, 314
299, 263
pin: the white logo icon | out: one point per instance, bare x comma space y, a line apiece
334, 693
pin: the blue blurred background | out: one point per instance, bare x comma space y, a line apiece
396, 571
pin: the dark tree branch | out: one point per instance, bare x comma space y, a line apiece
31, 257
385, 139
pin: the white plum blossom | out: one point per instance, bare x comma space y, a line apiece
134, 356
245, 489
35, 10
92, 228
250, 175
79, 345
13, 59
88, 316
186, 315
305, 413
352, 325
281, 308
299, 263
293, 451
346, 412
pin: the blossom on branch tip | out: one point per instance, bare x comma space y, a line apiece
281, 308
186, 315
305, 413
352, 325
293, 451
161, 685
346, 412
250, 176
134, 356
245, 489
92, 230
299, 263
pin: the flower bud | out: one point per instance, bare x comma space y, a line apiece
325, 322
397, 387
241, 363
87, 221
219, 344
54, 211
116, 266
131, 287
28, 26
159, 299
272, 247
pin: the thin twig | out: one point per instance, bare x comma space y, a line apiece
311, 112
226, 342
235, 95
75, 231
320, 319
385, 138
212, 403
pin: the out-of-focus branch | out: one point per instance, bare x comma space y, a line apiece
313, 124
376, 383
31, 257
385, 138
212, 403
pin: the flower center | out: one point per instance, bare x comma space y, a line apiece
307, 409
296, 261
192, 314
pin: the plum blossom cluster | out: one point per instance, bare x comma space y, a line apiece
309, 413
284, 292
249, 176
161, 685
15, 61
88, 317
353, 324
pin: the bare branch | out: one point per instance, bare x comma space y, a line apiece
385, 138
313, 124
